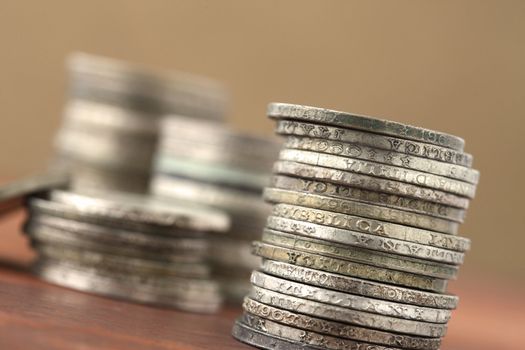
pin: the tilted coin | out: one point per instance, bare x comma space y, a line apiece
350, 301
339, 329
13, 194
348, 268
393, 201
379, 170
365, 240
369, 183
307, 337
183, 294
358, 286
144, 210
371, 226
262, 340
340, 314
310, 200
123, 264
361, 122
366, 256
354, 150
414, 148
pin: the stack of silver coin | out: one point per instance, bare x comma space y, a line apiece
208, 163
126, 246
362, 238
110, 128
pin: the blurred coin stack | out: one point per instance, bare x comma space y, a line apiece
362, 238
126, 246
110, 127
208, 163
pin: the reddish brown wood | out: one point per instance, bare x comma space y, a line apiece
37, 315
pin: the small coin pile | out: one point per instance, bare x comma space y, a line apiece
110, 128
126, 246
362, 238
208, 163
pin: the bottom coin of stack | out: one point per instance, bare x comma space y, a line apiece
359, 248
125, 246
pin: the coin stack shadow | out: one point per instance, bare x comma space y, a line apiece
110, 127
126, 246
208, 163
362, 238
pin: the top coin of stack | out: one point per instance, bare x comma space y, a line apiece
110, 128
209, 163
362, 238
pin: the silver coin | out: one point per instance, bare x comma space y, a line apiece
350, 301
307, 337
364, 240
310, 200
369, 183
348, 268
354, 150
340, 314
144, 209
393, 201
365, 256
183, 294
358, 286
361, 122
337, 329
375, 227
262, 340
375, 169
13, 194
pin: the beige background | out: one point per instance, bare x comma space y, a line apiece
456, 66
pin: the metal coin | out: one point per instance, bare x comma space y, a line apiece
310, 200
339, 329
358, 286
361, 122
354, 150
348, 268
336, 313
365, 240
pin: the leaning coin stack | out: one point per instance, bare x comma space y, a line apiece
208, 163
362, 238
110, 127
126, 246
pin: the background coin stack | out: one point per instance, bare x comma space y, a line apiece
208, 163
126, 246
363, 235
110, 127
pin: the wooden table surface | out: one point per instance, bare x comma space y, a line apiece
38, 315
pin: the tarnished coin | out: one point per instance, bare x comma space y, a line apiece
369, 182
358, 286
371, 226
317, 340
365, 240
339, 329
348, 268
366, 256
144, 210
393, 201
354, 150
184, 294
310, 200
340, 314
361, 122
413, 148
262, 340
12, 194
350, 301
379, 170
